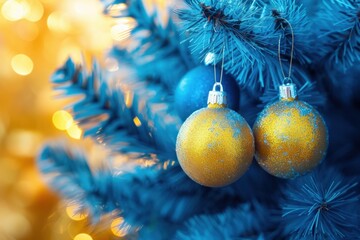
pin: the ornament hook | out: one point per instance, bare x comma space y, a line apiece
218, 84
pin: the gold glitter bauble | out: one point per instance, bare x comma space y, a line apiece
215, 146
291, 138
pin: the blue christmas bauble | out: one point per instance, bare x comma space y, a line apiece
192, 92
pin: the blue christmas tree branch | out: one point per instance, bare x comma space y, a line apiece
321, 205
247, 221
156, 49
340, 38
104, 190
68, 173
160, 194
249, 42
110, 113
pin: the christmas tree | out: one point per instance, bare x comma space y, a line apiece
136, 107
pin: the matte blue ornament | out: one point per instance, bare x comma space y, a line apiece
192, 92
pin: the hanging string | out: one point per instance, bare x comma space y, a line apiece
222, 64
222, 67
286, 78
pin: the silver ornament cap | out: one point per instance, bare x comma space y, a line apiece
287, 91
217, 96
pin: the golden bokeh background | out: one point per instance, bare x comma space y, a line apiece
36, 37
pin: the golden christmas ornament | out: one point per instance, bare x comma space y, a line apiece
291, 137
215, 145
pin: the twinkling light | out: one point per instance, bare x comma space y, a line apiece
83, 236
36, 11
75, 213
117, 10
129, 97
62, 120
14, 10
22, 64
56, 21
137, 121
111, 64
122, 28
74, 131
117, 227
23, 143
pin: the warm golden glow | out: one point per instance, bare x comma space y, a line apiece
73, 213
23, 142
57, 22
74, 131
117, 228
122, 28
68, 48
27, 104
117, 10
14, 10
27, 31
83, 236
36, 11
62, 120
22, 64
129, 97
137, 121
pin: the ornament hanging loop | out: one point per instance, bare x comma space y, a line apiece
218, 84
217, 97
288, 77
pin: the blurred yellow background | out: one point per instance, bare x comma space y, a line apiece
36, 36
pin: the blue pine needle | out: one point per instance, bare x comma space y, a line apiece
130, 111
103, 112
246, 221
160, 194
246, 34
68, 172
339, 44
321, 205
156, 48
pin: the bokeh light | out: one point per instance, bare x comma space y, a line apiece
83, 236
22, 64
62, 120
23, 143
74, 132
111, 64
57, 22
36, 11
117, 10
122, 28
137, 121
75, 213
13, 10
37, 36
117, 227
129, 98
